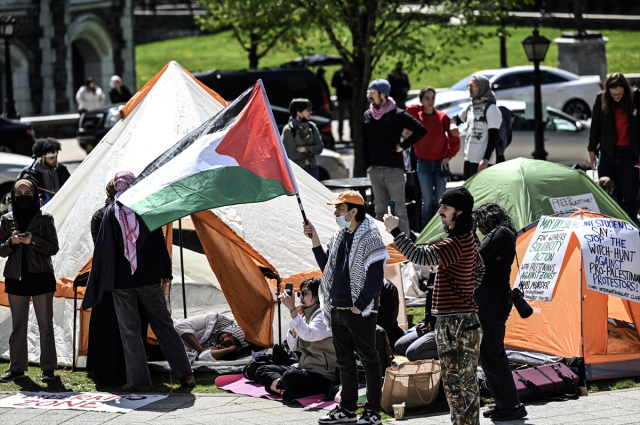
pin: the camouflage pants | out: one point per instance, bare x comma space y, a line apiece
458, 338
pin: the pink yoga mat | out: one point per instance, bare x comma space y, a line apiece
238, 384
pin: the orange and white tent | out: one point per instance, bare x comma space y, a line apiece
577, 322
243, 243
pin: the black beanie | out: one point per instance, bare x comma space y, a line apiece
459, 198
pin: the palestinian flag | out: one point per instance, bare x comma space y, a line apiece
236, 157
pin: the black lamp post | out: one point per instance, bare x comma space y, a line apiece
7, 27
535, 47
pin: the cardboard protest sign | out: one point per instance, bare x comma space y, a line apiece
566, 204
542, 262
609, 253
96, 402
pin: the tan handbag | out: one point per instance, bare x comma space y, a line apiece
414, 383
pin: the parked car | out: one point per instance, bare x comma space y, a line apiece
10, 166
313, 60
281, 84
570, 93
331, 163
16, 137
93, 125
565, 137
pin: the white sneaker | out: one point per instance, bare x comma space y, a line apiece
370, 417
339, 416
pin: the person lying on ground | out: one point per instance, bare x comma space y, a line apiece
212, 336
309, 335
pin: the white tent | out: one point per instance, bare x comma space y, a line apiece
174, 106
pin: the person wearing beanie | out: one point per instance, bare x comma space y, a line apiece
483, 120
382, 149
460, 270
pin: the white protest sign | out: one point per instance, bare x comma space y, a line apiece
566, 204
610, 250
96, 402
542, 262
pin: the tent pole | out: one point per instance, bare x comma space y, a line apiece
581, 295
279, 318
184, 296
75, 312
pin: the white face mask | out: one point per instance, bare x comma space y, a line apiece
342, 222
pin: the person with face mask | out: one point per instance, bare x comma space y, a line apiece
45, 170
352, 276
310, 336
29, 240
483, 126
301, 137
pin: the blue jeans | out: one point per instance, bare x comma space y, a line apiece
314, 172
431, 185
626, 178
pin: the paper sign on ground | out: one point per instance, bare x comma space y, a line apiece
610, 256
566, 204
542, 262
96, 402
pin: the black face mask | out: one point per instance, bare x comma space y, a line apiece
23, 201
303, 120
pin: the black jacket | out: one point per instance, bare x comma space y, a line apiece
342, 92
603, 128
110, 269
31, 173
96, 220
380, 138
120, 97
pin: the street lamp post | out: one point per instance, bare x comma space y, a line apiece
535, 47
7, 26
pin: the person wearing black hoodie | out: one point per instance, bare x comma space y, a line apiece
29, 240
493, 297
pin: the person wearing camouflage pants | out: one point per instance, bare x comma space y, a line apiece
458, 338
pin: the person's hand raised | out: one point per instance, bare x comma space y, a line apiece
390, 221
288, 301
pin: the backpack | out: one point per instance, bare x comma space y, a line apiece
506, 135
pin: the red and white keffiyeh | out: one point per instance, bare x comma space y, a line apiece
127, 219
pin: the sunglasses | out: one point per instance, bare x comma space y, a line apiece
469, 86
302, 294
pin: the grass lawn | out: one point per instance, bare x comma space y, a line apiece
222, 51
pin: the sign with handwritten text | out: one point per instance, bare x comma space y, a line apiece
542, 262
566, 204
610, 250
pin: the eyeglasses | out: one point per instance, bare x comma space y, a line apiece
470, 86
371, 91
302, 294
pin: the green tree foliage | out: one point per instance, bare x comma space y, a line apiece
369, 33
258, 25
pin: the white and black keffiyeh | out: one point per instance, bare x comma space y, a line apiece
366, 249
224, 324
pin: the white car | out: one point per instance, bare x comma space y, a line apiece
561, 90
565, 138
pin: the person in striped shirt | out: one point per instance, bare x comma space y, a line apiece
459, 271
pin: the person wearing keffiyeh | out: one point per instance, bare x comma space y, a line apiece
131, 262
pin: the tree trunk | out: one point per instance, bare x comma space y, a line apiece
253, 52
361, 72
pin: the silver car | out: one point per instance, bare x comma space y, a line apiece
565, 137
331, 165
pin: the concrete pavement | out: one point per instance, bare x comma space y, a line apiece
618, 407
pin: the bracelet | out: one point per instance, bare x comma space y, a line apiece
292, 309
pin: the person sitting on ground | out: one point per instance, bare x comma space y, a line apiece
388, 312
607, 185
212, 336
309, 335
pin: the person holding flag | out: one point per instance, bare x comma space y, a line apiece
352, 277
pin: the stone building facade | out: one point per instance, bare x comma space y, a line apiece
60, 43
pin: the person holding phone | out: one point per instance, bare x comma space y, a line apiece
29, 240
310, 336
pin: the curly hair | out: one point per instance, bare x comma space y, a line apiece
492, 215
614, 81
44, 146
312, 285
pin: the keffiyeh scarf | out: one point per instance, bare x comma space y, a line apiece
366, 249
225, 325
127, 219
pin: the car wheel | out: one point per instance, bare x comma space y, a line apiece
578, 109
6, 149
324, 175
5, 190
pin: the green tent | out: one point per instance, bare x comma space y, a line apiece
523, 187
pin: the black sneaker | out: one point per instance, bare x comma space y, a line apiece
487, 413
370, 417
47, 375
517, 412
11, 375
339, 416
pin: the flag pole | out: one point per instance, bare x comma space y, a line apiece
184, 292
304, 216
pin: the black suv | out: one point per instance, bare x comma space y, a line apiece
281, 84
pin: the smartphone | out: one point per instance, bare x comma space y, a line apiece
392, 205
289, 289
